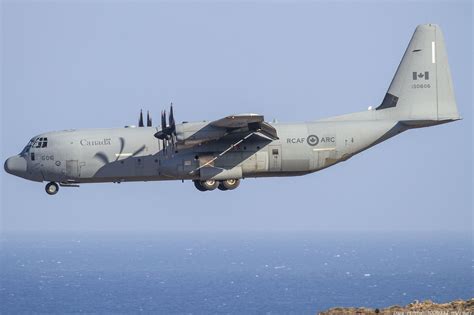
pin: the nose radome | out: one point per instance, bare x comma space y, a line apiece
15, 165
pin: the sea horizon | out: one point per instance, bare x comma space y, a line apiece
190, 272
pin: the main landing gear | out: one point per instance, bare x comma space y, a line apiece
208, 185
52, 188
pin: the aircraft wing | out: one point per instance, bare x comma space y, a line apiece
227, 129
231, 131
246, 124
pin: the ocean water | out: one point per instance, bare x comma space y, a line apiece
227, 272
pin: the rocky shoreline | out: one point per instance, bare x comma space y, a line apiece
415, 308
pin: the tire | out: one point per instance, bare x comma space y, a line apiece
222, 187
198, 185
52, 188
230, 184
209, 184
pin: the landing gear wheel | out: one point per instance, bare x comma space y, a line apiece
198, 185
209, 184
222, 187
229, 184
51, 188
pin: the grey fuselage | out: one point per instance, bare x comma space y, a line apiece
224, 151
134, 154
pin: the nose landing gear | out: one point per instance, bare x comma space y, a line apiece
52, 188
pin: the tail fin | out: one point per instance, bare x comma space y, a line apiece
422, 89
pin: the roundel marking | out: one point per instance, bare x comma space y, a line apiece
312, 140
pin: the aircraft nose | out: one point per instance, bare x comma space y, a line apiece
15, 165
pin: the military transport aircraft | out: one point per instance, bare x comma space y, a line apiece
219, 153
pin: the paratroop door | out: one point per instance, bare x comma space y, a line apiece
275, 158
72, 169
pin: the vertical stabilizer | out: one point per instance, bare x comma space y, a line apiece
422, 89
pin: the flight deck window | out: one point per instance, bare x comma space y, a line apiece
41, 143
27, 147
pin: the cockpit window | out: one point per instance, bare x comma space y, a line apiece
28, 146
41, 142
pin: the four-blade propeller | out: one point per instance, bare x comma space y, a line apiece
168, 129
168, 126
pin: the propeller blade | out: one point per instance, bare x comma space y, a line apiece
163, 120
172, 122
149, 123
140, 121
162, 133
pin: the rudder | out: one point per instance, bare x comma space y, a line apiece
421, 89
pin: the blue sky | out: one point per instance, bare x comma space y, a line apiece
84, 64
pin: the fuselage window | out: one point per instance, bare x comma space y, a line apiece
32, 156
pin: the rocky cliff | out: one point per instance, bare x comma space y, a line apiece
415, 308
